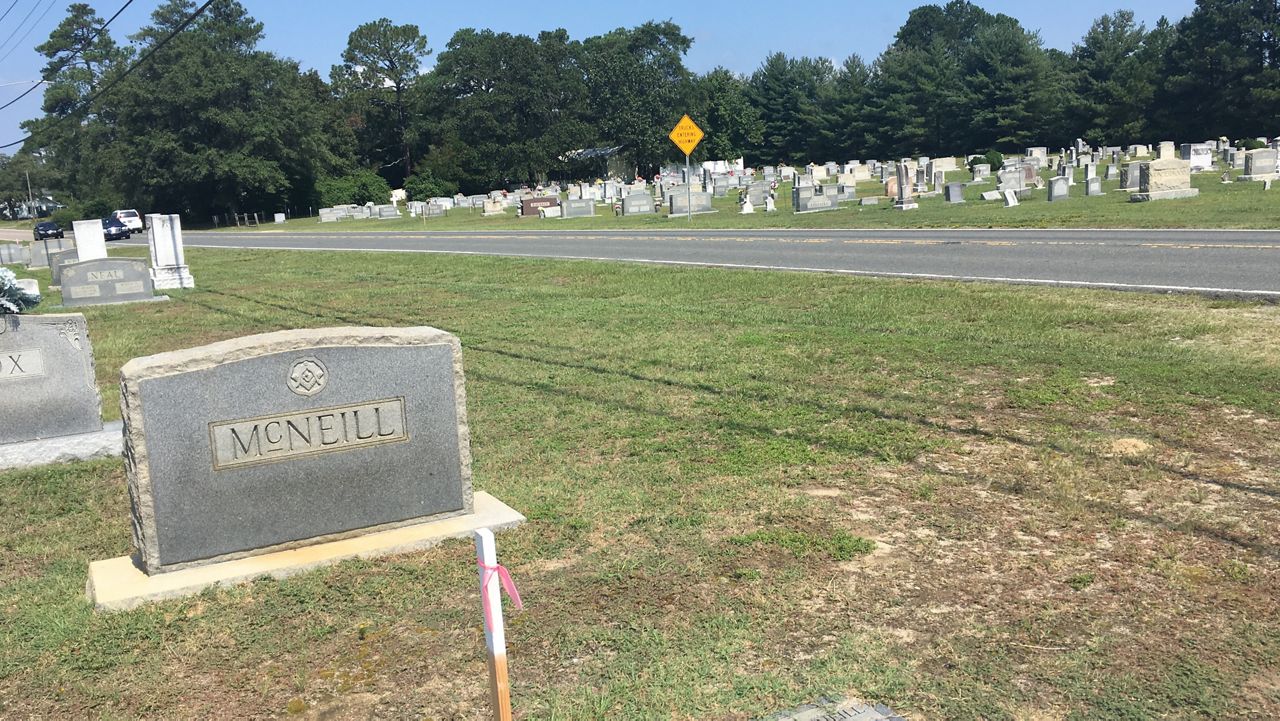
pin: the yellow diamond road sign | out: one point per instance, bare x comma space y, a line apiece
687, 135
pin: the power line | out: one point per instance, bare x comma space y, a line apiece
47, 8
6, 12
116, 80
25, 18
67, 61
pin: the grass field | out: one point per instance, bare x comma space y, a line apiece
745, 491
1237, 205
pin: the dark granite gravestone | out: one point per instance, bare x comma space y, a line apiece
638, 204
46, 378
579, 208
814, 199
57, 260
106, 280
293, 438
529, 207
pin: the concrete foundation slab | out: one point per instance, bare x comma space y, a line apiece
107, 443
117, 584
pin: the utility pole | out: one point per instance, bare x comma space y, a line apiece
31, 203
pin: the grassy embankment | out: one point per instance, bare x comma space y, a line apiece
745, 491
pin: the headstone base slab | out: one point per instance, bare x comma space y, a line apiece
106, 443
156, 299
171, 277
117, 584
1257, 178
686, 215
1165, 195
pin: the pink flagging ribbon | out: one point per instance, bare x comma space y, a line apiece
505, 577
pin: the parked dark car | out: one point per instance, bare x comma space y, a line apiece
113, 229
47, 229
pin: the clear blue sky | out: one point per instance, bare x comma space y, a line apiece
736, 35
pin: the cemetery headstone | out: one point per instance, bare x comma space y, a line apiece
992, 195
312, 437
1164, 179
954, 193
1010, 198
1093, 186
1259, 164
638, 204
492, 207
1129, 174
105, 281
873, 200
905, 199
1059, 189
90, 241
15, 254
47, 387
56, 263
681, 204
529, 207
583, 208
814, 202
168, 257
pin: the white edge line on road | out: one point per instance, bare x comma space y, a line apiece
801, 269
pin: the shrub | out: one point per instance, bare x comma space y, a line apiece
13, 299
1251, 144
355, 189
424, 184
994, 158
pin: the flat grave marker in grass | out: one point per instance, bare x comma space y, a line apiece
346, 441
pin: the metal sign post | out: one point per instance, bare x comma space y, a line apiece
686, 135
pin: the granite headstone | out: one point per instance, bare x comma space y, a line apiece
46, 378
293, 438
106, 280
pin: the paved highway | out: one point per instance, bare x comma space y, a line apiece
1220, 263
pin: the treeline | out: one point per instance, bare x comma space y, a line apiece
211, 124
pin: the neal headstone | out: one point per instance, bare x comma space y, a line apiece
47, 385
105, 281
292, 438
168, 257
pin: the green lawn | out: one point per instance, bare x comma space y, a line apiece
745, 491
1238, 205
